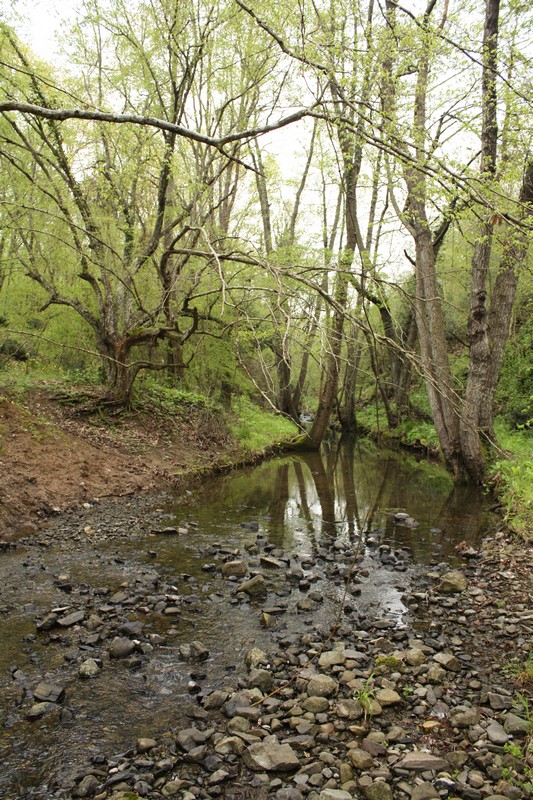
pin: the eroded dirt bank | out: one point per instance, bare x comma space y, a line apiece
51, 459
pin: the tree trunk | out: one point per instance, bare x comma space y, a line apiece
471, 443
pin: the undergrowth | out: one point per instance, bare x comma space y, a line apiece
512, 477
256, 429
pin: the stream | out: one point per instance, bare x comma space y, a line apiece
150, 569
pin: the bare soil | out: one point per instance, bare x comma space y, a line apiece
53, 458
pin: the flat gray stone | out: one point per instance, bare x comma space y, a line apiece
71, 619
420, 761
496, 733
271, 756
48, 692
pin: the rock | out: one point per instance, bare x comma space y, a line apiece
195, 651
360, 759
424, 791
40, 709
121, 647
464, 716
316, 705
496, 733
49, 692
67, 622
255, 587
332, 658
322, 686
218, 776
172, 788
49, 622
452, 582
230, 745
144, 745
436, 674
215, 700
262, 679
379, 790
87, 787
271, 756
335, 794
499, 702
420, 761
415, 657
272, 563
89, 669
234, 568
349, 709
448, 661
189, 738
388, 697
254, 657
516, 726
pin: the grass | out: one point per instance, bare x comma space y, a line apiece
512, 476
365, 697
256, 429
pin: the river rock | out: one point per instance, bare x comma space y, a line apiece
89, 669
234, 568
360, 759
271, 756
40, 709
349, 709
255, 587
388, 697
121, 647
448, 661
230, 745
215, 700
316, 705
332, 658
262, 679
464, 716
189, 738
415, 657
496, 733
516, 726
71, 619
424, 791
379, 790
195, 651
49, 692
145, 744
452, 582
335, 794
86, 787
322, 686
420, 761
254, 657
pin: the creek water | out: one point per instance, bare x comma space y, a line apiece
301, 508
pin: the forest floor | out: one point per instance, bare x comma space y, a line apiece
52, 458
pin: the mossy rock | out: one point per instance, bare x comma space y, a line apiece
387, 664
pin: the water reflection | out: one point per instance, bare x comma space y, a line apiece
312, 500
